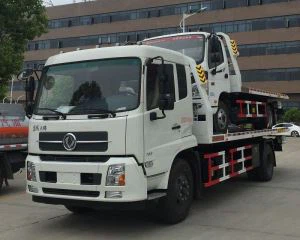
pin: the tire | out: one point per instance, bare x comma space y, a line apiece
270, 117
264, 172
294, 134
78, 210
1, 180
221, 118
175, 207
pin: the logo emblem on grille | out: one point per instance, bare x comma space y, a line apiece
69, 142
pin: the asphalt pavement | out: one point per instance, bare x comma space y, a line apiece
236, 209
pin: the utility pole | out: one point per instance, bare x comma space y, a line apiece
187, 15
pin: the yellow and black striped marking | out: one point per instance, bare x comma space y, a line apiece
234, 47
201, 73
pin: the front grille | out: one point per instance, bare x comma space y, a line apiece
76, 193
65, 158
90, 178
45, 143
85, 178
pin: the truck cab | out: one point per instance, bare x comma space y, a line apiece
211, 55
108, 124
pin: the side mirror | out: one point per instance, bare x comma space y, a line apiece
29, 110
214, 44
166, 102
30, 89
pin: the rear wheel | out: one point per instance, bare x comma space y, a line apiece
1, 179
270, 117
78, 210
294, 134
221, 118
265, 171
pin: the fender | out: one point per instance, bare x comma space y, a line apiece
188, 144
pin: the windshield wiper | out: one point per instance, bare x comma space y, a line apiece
100, 113
55, 111
97, 112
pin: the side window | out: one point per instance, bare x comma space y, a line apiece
213, 56
182, 85
153, 83
279, 125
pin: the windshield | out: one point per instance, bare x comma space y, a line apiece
110, 85
190, 45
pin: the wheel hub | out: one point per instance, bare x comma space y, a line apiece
183, 189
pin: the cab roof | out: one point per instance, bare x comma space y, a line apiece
140, 51
176, 35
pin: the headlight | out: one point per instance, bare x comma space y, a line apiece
31, 175
116, 175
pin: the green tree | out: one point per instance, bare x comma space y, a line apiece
20, 21
292, 115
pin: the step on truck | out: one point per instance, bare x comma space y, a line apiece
13, 141
117, 127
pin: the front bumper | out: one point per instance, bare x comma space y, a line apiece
69, 187
138, 205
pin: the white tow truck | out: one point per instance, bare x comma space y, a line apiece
216, 58
133, 125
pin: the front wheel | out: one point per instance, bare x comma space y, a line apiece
294, 134
175, 207
221, 118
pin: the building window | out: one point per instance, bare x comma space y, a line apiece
85, 20
286, 74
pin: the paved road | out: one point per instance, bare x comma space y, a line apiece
237, 209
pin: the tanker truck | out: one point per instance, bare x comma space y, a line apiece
13, 140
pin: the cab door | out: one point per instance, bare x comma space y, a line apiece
218, 74
162, 137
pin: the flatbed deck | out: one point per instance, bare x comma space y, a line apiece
247, 134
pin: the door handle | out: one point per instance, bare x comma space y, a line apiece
176, 126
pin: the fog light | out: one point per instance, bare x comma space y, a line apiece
32, 189
31, 175
113, 194
116, 175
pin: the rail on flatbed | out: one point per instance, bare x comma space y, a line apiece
248, 134
264, 93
